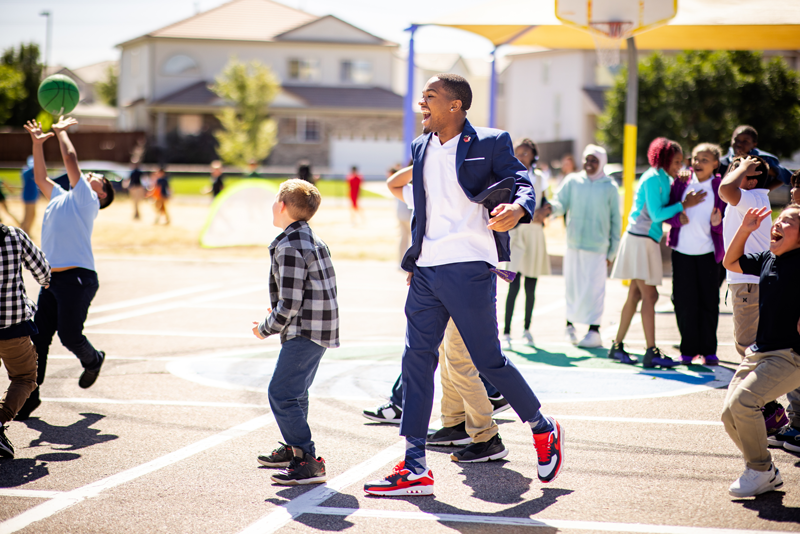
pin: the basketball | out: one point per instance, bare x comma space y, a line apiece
58, 94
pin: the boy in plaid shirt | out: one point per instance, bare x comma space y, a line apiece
16, 325
302, 290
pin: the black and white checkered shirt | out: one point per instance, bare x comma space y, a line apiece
16, 250
302, 288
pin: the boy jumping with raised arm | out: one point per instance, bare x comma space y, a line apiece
771, 367
16, 327
67, 243
305, 312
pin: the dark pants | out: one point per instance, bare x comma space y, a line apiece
63, 308
467, 293
511, 299
695, 294
397, 390
288, 390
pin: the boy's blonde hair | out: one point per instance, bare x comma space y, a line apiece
302, 199
711, 148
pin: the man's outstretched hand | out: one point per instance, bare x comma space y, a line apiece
505, 217
34, 128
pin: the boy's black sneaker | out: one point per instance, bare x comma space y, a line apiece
450, 436
280, 457
6, 448
787, 437
481, 452
88, 377
653, 357
385, 413
499, 404
305, 470
618, 352
30, 405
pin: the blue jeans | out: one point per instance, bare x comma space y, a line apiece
397, 390
288, 390
63, 308
466, 292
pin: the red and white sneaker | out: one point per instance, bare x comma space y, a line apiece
549, 449
402, 481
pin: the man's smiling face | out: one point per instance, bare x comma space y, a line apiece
436, 103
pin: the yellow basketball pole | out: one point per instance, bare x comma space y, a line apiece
629, 147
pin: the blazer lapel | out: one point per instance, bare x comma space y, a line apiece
417, 180
464, 142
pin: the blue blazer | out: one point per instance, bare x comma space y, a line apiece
488, 173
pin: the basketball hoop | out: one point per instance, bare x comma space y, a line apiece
608, 37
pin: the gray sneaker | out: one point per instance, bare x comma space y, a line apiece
6, 448
450, 436
481, 452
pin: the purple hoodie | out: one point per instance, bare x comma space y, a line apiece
676, 195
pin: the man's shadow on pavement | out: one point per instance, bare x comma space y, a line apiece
76, 436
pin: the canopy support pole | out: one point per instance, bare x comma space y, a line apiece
409, 122
493, 91
629, 147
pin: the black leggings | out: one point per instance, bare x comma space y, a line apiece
530, 297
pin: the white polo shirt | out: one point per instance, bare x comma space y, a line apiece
457, 228
758, 240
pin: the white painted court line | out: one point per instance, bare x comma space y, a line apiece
637, 420
69, 498
256, 307
191, 404
529, 522
170, 333
176, 304
33, 494
310, 500
154, 298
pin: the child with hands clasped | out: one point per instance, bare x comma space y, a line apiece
697, 250
305, 312
771, 367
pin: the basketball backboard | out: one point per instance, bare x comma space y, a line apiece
617, 19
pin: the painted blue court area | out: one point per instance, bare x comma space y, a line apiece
556, 372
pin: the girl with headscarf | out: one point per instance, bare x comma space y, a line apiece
590, 201
529, 257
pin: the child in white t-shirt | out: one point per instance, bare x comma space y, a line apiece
744, 187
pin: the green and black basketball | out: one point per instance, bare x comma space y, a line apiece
58, 94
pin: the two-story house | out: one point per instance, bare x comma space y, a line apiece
336, 107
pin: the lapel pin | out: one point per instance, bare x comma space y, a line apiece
467, 138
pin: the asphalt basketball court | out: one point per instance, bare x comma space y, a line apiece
167, 439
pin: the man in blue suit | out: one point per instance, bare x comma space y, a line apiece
467, 190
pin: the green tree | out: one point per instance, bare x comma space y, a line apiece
701, 96
248, 133
25, 59
107, 90
12, 91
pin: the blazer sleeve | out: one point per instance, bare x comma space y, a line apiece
504, 165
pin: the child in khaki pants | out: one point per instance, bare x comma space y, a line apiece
16, 324
771, 367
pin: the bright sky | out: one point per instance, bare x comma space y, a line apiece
86, 31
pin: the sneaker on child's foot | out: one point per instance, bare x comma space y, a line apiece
753, 482
507, 341
450, 436
711, 360
385, 413
787, 437
481, 452
686, 360
591, 340
571, 335
280, 457
653, 357
618, 352
775, 417
528, 337
6, 448
30, 405
89, 376
402, 481
305, 470
549, 448
499, 404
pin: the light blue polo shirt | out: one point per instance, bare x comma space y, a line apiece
67, 226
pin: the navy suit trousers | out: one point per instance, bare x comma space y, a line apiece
466, 292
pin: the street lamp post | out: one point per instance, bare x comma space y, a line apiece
49, 38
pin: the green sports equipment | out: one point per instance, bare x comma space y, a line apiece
58, 94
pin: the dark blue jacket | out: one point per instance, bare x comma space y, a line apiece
488, 173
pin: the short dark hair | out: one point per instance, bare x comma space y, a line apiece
302, 199
108, 189
746, 129
531, 145
458, 87
762, 179
795, 181
661, 152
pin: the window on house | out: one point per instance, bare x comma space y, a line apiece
300, 130
179, 64
304, 70
358, 72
